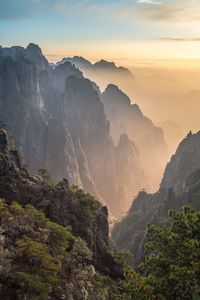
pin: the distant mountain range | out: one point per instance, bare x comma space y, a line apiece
102, 65
104, 72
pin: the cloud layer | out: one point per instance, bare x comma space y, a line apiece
177, 11
150, 2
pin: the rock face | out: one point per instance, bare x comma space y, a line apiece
128, 165
180, 185
127, 118
58, 122
25, 81
130, 233
63, 204
185, 161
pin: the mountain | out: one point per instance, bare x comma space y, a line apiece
26, 90
80, 62
102, 65
185, 161
57, 227
126, 117
180, 185
58, 122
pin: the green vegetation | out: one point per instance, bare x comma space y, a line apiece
171, 270
40, 259
46, 177
88, 203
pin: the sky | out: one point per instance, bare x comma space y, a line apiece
117, 30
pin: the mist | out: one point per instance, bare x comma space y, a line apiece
167, 92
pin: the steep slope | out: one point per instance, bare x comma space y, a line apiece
64, 204
44, 259
22, 101
180, 185
127, 118
128, 165
81, 110
185, 161
34, 105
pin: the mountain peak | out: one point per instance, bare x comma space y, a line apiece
12, 52
69, 68
34, 53
34, 48
110, 65
115, 94
79, 61
124, 141
189, 134
183, 163
112, 91
105, 64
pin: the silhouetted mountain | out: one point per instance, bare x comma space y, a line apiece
126, 117
104, 72
78, 61
84, 64
111, 66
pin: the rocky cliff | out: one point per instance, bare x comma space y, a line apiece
180, 186
185, 161
64, 204
58, 122
126, 117
128, 165
56, 235
25, 80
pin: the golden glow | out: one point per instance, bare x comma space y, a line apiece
129, 52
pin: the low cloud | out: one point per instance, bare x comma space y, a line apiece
177, 39
150, 2
176, 11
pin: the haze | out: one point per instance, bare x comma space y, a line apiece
158, 40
